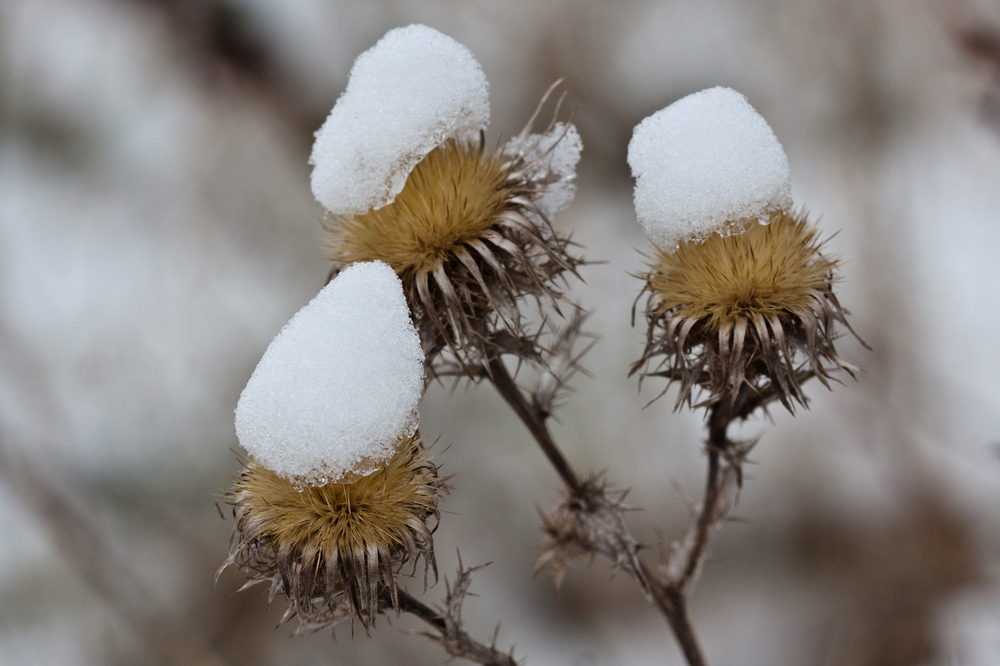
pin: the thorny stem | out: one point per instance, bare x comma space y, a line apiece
535, 421
670, 596
705, 519
451, 636
413, 606
718, 442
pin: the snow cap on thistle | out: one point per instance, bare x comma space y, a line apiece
740, 296
708, 163
339, 493
403, 168
338, 387
407, 94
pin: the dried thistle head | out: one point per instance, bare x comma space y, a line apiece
402, 167
333, 550
740, 295
470, 236
756, 309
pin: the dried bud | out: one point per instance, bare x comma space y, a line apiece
588, 522
333, 550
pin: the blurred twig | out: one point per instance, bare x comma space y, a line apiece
222, 44
982, 44
167, 638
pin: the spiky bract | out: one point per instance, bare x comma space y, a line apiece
755, 309
332, 550
468, 240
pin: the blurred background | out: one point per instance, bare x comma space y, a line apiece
157, 230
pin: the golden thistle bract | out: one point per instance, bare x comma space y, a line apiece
734, 311
334, 550
468, 240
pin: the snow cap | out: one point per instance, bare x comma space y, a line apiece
707, 163
339, 385
407, 94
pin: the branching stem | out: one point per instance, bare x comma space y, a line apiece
669, 595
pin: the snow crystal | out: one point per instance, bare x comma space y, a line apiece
556, 154
339, 385
707, 163
407, 94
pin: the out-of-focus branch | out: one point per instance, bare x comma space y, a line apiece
982, 44
220, 42
168, 639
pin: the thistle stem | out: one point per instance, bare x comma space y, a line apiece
673, 604
413, 606
711, 509
535, 421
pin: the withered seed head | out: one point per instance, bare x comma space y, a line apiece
333, 550
755, 309
468, 239
590, 521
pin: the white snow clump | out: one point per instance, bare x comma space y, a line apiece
339, 385
407, 94
707, 163
555, 155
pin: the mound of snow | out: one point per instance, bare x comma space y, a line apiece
708, 163
339, 385
407, 94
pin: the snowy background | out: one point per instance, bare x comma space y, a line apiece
157, 229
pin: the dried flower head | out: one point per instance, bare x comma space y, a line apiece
334, 550
402, 167
755, 309
740, 296
469, 236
